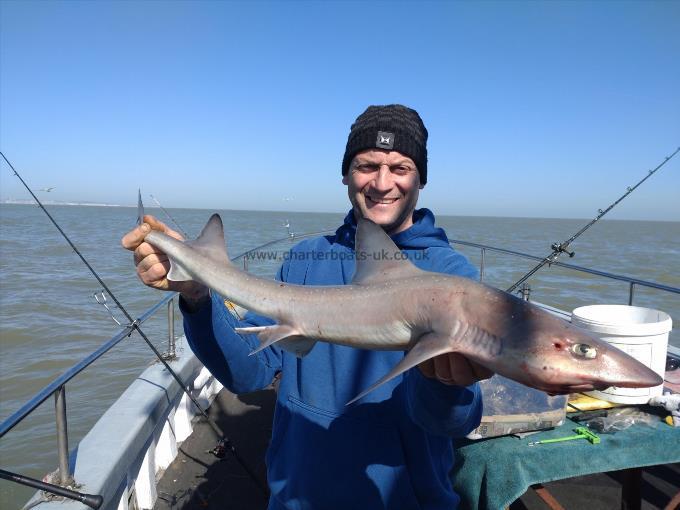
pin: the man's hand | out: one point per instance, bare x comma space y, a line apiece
454, 369
153, 265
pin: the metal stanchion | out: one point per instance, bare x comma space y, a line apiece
62, 436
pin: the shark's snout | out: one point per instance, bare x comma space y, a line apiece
577, 361
624, 371
639, 376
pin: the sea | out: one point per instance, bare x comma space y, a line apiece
50, 319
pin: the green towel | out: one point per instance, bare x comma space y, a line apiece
492, 473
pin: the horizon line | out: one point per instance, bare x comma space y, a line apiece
11, 201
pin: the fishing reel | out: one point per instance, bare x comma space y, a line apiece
221, 448
562, 248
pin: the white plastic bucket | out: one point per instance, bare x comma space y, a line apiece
640, 332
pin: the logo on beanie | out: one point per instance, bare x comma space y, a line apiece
385, 140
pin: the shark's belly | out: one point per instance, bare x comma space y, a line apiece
361, 322
391, 336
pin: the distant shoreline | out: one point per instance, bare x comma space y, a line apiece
10, 201
25, 201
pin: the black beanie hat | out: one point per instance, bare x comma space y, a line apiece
393, 127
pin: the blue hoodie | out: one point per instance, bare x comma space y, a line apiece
390, 450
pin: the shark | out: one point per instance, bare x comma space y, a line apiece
391, 304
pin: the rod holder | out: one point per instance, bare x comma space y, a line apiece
65, 477
481, 266
631, 293
525, 291
171, 330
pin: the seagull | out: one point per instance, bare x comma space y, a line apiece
286, 225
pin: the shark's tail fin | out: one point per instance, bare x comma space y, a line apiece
210, 243
140, 207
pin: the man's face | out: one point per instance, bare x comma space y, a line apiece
383, 187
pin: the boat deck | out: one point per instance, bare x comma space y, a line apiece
198, 480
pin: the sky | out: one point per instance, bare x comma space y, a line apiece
539, 109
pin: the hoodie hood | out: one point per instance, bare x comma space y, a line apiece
422, 234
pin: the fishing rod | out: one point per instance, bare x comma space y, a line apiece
168, 215
560, 248
224, 444
91, 500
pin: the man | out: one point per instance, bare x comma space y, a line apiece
392, 449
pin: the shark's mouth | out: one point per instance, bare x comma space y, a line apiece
574, 388
595, 385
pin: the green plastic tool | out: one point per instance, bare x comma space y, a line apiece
581, 433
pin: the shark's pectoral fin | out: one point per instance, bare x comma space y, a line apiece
288, 337
428, 346
177, 273
298, 345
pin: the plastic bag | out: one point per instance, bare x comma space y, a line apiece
620, 419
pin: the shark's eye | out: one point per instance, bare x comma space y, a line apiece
584, 350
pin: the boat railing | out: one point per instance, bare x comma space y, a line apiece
632, 282
58, 386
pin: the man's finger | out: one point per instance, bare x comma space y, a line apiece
156, 224
427, 368
134, 240
150, 260
454, 369
135, 237
144, 250
155, 274
469, 370
481, 372
463, 369
444, 371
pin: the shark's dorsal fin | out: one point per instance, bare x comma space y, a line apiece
210, 241
378, 259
